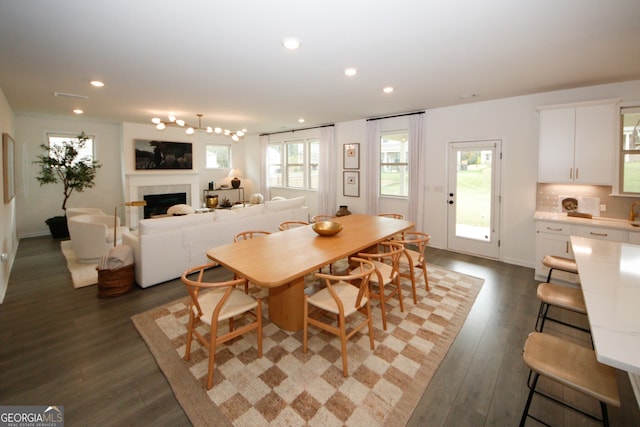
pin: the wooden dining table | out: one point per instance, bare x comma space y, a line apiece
281, 260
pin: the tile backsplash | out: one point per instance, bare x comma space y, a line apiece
617, 207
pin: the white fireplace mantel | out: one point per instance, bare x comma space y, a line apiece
145, 183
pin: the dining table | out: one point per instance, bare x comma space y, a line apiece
610, 281
281, 260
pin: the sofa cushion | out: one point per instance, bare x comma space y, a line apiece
160, 225
281, 205
249, 210
226, 214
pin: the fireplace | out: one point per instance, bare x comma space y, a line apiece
157, 204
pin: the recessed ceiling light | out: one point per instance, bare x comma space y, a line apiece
301, 120
350, 72
97, 83
78, 111
387, 89
291, 43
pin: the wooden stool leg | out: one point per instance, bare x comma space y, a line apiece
532, 390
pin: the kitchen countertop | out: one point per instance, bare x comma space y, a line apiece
620, 224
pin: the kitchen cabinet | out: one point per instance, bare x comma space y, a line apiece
553, 232
578, 143
553, 238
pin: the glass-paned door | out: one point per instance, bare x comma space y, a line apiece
474, 197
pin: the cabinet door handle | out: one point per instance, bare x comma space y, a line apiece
554, 229
566, 250
570, 173
599, 234
577, 173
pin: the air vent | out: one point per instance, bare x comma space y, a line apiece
70, 95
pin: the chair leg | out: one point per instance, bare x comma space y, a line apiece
343, 345
212, 354
549, 275
187, 351
426, 279
542, 316
259, 319
399, 287
383, 308
532, 389
370, 321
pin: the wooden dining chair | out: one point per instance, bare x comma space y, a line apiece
249, 234
386, 274
392, 215
415, 243
342, 298
291, 224
322, 217
246, 235
212, 303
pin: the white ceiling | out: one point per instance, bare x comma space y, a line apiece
224, 59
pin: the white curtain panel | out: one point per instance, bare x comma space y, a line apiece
373, 167
416, 173
264, 172
327, 176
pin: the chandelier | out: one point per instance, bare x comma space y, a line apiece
190, 129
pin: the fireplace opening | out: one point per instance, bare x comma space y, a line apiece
157, 204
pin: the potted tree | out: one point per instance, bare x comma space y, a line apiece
61, 163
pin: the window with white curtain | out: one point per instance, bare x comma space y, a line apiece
294, 163
394, 163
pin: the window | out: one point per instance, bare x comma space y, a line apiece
85, 153
394, 164
294, 164
630, 151
218, 156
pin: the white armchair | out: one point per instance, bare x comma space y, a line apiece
71, 212
92, 236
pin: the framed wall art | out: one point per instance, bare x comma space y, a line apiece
8, 174
351, 156
351, 184
163, 155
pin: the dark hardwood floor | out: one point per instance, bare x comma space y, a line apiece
65, 346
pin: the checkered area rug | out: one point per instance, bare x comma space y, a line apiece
287, 387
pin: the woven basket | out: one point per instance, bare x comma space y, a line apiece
112, 283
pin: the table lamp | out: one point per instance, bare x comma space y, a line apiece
236, 174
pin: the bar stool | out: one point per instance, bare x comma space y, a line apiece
571, 365
552, 295
559, 263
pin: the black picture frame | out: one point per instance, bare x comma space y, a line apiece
154, 154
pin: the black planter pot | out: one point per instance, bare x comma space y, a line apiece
58, 227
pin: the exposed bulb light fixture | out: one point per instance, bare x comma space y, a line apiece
388, 89
78, 111
190, 129
97, 83
350, 72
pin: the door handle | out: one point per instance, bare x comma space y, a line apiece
450, 202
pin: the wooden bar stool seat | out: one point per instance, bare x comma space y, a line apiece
559, 263
564, 297
571, 365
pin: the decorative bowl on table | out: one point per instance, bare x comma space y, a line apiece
326, 228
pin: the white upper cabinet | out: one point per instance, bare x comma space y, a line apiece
578, 144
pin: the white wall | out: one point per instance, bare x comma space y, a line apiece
35, 203
513, 120
8, 236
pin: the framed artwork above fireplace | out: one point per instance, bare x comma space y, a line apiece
152, 154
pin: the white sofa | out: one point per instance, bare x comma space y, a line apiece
164, 248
